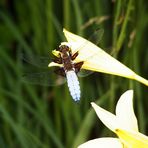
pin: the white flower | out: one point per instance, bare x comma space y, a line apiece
95, 58
124, 124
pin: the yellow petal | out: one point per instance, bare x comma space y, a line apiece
54, 64
102, 143
56, 53
125, 112
132, 139
108, 119
98, 60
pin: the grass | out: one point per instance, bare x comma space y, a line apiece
39, 116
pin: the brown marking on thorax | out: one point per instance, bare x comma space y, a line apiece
66, 58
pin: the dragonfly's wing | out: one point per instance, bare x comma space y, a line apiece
38, 61
84, 73
81, 45
87, 52
39, 64
43, 78
96, 36
81, 72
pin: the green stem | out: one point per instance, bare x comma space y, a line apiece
123, 29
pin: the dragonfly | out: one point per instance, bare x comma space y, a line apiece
69, 70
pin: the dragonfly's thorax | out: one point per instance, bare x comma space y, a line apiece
65, 53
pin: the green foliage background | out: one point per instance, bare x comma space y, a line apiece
34, 116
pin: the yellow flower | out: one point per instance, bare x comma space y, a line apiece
124, 124
95, 58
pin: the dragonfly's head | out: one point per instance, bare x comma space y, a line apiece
63, 48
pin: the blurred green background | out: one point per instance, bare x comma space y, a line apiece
33, 116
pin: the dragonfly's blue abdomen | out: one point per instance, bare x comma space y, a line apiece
73, 84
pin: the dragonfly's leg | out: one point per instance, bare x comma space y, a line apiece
60, 71
70, 53
74, 55
78, 66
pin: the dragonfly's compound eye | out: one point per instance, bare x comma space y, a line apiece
63, 48
66, 48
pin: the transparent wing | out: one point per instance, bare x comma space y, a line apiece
39, 64
43, 78
80, 44
50, 78
35, 60
84, 73
96, 36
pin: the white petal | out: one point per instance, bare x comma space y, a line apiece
103, 62
74, 41
108, 119
102, 143
95, 58
85, 48
125, 112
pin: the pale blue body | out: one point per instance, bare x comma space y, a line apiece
73, 84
